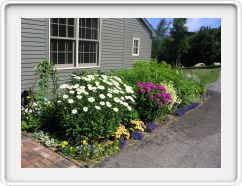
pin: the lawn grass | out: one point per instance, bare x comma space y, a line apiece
206, 75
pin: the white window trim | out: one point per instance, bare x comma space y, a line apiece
75, 65
133, 46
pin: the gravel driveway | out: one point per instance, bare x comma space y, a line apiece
193, 141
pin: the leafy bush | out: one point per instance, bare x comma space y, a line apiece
187, 88
172, 91
91, 106
153, 100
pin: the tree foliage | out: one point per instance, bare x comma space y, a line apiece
180, 47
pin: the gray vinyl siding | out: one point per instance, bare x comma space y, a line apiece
34, 46
134, 29
115, 42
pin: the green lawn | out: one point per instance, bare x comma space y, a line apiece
206, 75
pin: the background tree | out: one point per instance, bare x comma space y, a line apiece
179, 34
161, 33
205, 47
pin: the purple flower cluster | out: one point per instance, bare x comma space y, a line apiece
137, 135
182, 111
123, 143
150, 126
156, 92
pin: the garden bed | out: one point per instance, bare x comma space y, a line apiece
94, 115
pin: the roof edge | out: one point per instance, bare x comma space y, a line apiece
148, 26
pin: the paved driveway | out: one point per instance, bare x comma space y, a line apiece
193, 141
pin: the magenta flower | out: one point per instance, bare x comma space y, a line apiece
160, 104
142, 91
158, 94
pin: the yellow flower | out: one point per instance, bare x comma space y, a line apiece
111, 142
64, 144
84, 142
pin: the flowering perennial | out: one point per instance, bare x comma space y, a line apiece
153, 99
182, 111
94, 104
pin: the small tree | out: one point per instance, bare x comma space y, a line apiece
161, 33
179, 34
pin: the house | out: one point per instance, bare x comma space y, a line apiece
75, 44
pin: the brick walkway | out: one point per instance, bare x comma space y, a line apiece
34, 155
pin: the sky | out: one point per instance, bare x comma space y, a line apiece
193, 24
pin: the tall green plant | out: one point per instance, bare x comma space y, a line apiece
44, 71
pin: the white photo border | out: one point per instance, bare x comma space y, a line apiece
3, 116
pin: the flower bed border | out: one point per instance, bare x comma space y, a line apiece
169, 119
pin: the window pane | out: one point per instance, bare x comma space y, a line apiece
53, 45
69, 58
82, 33
61, 45
88, 28
70, 31
94, 34
61, 58
71, 21
92, 58
88, 55
70, 46
86, 58
62, 30
88, 33
94, 23
54, 20
54, 30
53, 57
88, 22
82, 22
62, 20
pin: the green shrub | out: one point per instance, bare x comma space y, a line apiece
188, 88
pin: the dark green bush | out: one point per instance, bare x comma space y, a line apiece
188, 88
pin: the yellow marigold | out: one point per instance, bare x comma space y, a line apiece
121, 131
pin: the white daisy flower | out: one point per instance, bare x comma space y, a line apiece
63, 86
97, 107
74, 111
70, 101
125, 104
79, 97
122, 98
101, 96
59, 101
102, 103
71, 92
129, 108
85, 109
76, 86
129, 89
109, 95
108, 104
91, 99
115, 109
82, 87
77, 77
117, 100
97, 83
101, 87
65, 96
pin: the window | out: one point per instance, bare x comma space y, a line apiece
74, 42
135, 48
